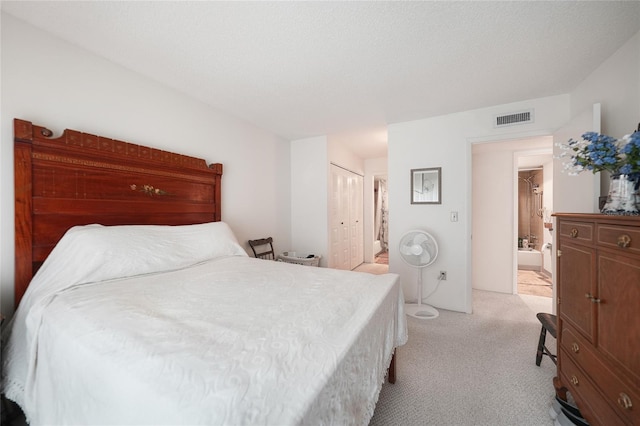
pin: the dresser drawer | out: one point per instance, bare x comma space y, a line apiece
589, 399
578, 348
619, 395
625, 238
577, 231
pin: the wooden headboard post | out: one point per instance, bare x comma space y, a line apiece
217, 195
23, 207
80, 178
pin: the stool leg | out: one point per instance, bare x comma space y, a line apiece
543, 336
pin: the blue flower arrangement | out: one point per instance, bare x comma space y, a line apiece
631, 152
596, 152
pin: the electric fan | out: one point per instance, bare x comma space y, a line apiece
419, 249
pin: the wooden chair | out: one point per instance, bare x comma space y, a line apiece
263, 248
549, 323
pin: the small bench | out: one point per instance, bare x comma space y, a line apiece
549, 323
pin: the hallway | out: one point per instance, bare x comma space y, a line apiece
534, 283
382, 258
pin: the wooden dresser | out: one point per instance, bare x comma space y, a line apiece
598, 288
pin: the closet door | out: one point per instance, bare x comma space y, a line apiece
346, 216
339, 221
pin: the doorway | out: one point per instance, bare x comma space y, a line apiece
376, 224
380, 221
494, 205
533, 218
493, 243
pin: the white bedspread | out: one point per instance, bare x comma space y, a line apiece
230, 340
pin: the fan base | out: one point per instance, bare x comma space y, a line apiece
421, 311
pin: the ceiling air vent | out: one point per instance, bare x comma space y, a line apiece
522, 117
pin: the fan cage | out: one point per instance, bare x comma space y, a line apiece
405, 246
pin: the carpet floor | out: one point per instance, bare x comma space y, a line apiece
534, 283
473, 369
373, 268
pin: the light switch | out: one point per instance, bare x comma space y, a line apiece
454, 216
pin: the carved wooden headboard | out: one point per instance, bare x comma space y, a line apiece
80, 178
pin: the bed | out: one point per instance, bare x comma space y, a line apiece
137, 305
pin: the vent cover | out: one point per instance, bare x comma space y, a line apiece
512, 119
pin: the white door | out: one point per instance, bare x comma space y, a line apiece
344, 249
334, 219
339, 221
346, 217
339, 211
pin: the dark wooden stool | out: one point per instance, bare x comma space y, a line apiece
549, 323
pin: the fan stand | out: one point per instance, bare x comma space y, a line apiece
419, 310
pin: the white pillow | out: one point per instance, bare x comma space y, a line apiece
94, 253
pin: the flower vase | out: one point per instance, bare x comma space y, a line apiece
623, 195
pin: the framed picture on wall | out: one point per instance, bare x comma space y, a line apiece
426, 186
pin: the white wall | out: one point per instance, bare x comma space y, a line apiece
309, 197
547, 202
575, 193
615, 84
53, 83
341, 156
611, 92
445, 142
492, 218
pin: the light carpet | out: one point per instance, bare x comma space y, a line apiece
535, 283
373, 268
473, 369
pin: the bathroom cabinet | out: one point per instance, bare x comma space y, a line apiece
598, 301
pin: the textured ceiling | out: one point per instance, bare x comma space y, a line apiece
347, 69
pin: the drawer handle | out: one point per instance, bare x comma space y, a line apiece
575, 348
574, 233
574, 380
624, 241
624, 401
